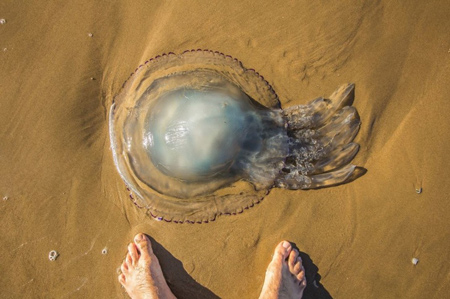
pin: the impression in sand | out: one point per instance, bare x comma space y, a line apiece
186, 128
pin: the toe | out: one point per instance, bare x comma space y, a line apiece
143, 244
129, 261
297, 268
293, 259
303, 284
124, 268
282, 250
132, 252
121, 278
301, 276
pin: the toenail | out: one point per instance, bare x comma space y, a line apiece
139, 237
286, 244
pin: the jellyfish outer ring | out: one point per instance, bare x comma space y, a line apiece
233, 197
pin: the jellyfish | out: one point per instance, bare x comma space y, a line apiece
197, 135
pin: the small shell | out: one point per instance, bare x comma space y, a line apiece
53, 255
415, 261
419, 190
2, 21
105, 250
90, 34
5, 198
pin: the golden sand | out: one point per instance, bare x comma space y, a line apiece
62, 63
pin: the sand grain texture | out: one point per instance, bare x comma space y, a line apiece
63, 192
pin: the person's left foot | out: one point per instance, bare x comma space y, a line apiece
142, 275
285, 276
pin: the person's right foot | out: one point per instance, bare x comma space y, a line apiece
142, 276
285, 276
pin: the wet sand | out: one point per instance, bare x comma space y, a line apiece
61, 190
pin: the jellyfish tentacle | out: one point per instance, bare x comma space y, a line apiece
318, 111
332, 178
342, 127
337, 158
320, 141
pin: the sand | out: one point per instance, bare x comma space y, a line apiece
62, 191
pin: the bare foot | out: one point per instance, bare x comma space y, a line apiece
142, 276
285, 276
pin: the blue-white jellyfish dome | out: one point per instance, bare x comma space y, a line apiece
197, 135
194, 135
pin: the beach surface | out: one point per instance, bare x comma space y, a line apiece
62, 63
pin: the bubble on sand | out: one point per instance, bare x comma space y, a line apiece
105, 251
198, 135
53, 255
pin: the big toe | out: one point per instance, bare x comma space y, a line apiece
143, 244
282, 250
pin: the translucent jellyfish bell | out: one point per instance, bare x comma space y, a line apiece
197, 135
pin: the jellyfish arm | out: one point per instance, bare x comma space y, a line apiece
320, 141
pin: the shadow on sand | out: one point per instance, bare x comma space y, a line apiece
179, 281
314, 288
184, 286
